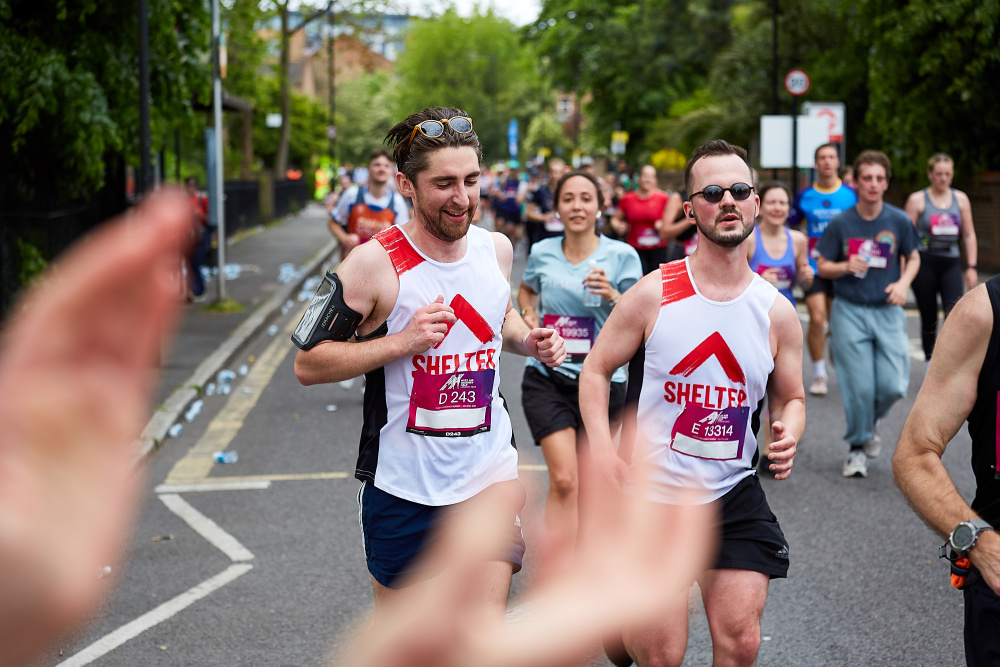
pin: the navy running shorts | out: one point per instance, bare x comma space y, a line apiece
982, 618
751, 537
396, 531
820, 286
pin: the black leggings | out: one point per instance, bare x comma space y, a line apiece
938, 275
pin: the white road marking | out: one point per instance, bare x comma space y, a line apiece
113, 640
207, 528
214, 486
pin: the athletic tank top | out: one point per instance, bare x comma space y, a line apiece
703, 380
983, 425
940, 229
367, 220
785, 265
436, 430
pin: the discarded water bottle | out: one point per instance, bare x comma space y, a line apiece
243, 370
232, 271
193, 411
590, 299
225, 376
210, 389
331, 408
287, 307
175, 430
226, 457
225, 389
272, 330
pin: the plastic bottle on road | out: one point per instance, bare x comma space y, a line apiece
590, 299
226, 457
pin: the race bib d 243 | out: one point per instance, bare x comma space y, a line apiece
451, 405
705, 433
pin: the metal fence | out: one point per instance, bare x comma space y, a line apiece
290, 197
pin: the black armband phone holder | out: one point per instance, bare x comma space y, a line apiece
328, 317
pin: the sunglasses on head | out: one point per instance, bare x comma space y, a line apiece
435, 128
713, 194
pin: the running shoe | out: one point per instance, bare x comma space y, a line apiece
856, 464
873, 447
818, 387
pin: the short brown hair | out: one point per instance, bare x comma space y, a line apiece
380, 152
938, 157
819, 148
411, 157
872, 157
715, 148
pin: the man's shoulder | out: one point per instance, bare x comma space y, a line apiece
895, 213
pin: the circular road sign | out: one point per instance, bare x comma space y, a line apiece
797, 82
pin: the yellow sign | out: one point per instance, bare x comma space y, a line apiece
620, 137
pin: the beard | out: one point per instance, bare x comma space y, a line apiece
442, 228
725, 239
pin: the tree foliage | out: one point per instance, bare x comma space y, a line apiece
69, 88
478, 64
365, 113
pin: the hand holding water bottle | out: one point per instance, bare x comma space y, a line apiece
597, 287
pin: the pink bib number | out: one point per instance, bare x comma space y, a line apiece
705, 433
577, 332
450, 405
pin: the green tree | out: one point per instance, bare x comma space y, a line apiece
365, 111
634, 59
478, 64
545, 131
69, 88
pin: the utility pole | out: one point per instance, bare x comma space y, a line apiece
220, 217
332, 121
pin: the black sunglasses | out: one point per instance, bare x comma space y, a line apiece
713, 194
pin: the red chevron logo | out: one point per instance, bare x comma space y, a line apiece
713, 346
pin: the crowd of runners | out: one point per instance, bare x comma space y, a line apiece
656, 326
661, 331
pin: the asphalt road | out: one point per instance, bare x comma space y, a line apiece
270, 569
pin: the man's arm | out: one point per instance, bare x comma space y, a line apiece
897, 291
621, 336
786, 398
670, 227
370, 288
945, 400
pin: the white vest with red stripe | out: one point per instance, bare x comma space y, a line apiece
445, 433
705, 374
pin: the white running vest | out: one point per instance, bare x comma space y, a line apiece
446, 434
705, 373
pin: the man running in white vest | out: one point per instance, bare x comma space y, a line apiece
716, 339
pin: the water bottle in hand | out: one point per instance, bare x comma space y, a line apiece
591, 299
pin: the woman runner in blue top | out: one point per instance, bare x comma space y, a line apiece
780, 255
564, 273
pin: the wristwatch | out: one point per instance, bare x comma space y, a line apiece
963, 537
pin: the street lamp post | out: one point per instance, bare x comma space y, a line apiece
217, 185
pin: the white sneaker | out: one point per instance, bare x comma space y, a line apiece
856, 464
873, 447
818, 386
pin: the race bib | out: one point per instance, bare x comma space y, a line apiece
648, 237
577, 333
705, 433
944, 224
813, 253
876, 253
783, 274
690, 245
450, 405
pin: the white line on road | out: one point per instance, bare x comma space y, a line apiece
214, 486
207, 528
113, 640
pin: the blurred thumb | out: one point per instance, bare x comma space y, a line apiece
440, 299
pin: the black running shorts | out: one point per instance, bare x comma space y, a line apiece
552, 402
751, 537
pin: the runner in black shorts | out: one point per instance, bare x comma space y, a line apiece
571, 283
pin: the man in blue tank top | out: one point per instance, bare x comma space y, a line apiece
436, 432
817, 205
962, 383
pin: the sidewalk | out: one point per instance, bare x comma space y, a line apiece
206, 341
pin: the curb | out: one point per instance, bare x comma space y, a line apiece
155, 432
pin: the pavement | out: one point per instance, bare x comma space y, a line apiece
207, 341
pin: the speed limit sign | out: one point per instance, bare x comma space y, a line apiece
797, 82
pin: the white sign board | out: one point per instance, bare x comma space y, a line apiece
833, 113
776, 140
273, 120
